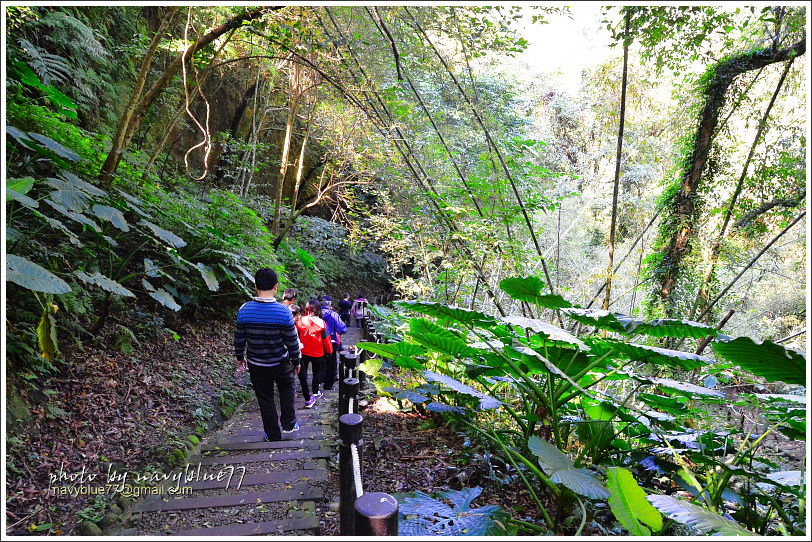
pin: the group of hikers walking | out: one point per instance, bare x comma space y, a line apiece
277, 341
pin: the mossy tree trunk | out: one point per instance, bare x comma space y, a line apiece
682, 209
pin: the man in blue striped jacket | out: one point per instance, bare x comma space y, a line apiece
265, 330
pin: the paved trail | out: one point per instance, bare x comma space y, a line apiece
281, 482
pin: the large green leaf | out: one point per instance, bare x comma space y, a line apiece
550, 458
164, 235
112, 215
22, 185
21, 137
434, 406
57, 225
580, 481
421, 326
13, 195
408, 362
445, 345
69, 197
29, 275
697, 517
455, 314
208, 275
427, 515
54, 147
412, 396
602, 319
84, 186
165, 298
686, 388
766, 359
629, 505
676, 328
485, 401
105, 283
649, 354
393, 350
529, 289
561, 470
549, 331
371, 367
77, 217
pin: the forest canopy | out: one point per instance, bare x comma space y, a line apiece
582, 229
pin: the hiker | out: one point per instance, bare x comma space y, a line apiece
267, 339
359, 310
335, 328
289, 298
316, 345
344, 306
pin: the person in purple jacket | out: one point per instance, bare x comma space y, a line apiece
335, 328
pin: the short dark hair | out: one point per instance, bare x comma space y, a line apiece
266, 279
314, 307
290, 294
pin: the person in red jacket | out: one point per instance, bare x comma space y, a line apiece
315, 345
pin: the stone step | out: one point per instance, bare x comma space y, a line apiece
258, 458
218, 501
234, 480
282, 444
248, 529
259, 436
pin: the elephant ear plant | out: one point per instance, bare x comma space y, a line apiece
584, 416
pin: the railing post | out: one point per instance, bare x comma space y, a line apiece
350, 429
345, 370
361, 375
376, 514
350, 391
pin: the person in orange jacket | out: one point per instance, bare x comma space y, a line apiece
315, 345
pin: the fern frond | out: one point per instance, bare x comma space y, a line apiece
49, 67
70, 33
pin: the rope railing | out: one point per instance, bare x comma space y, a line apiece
360, 513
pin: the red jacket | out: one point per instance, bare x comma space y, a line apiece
313, 334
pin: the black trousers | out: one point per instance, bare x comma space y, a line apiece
263, 379
331, 367
317, 365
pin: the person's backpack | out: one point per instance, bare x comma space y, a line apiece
361, 308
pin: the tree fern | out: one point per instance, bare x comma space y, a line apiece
67, 32
49, 67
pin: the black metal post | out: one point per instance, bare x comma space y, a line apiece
350, 392
376, 514
350, 361
350, 429
361, 375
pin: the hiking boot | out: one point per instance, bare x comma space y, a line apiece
310, 402
292, 429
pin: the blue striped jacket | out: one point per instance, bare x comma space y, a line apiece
265, 330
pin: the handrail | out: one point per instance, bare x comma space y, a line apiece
360, 513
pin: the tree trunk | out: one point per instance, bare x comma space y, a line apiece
113, 158
283, 166
703, 296
130, 120
683, 205
609, 266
